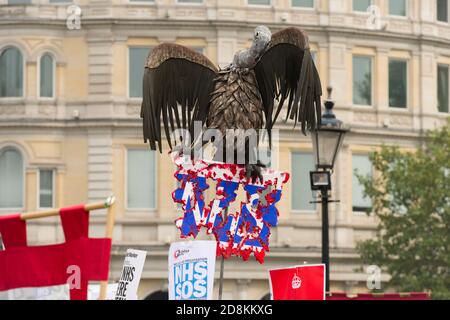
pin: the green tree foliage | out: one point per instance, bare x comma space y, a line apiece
411, 198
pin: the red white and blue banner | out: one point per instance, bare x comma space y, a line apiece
306, 282
191, 270
239, 233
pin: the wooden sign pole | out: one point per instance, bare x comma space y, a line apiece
110, 218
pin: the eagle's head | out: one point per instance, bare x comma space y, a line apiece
261, 39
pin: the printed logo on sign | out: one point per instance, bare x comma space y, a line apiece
180, 253
191, 280
296, 282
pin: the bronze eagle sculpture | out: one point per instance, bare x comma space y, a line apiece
182, 86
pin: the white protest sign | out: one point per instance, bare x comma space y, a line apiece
131, 275
191, 270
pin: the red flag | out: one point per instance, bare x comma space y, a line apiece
305, 282
23, 266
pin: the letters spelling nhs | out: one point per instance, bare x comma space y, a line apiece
125, 279
191, 280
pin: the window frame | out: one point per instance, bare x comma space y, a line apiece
156, 164
407, 61
361, 12
203, 2
53, 170
407, 9
305, 213
437, 89
355, 212
260, 5
141, 2
18, 4
61, 3
445, 23
372, 82
24, 73
133, 99
313, 8
39, 77
24, 187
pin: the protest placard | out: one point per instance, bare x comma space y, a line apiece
131, 275
191, 270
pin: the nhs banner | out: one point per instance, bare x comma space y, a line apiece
191, 270
240, 233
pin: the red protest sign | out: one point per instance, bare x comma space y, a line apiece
305, 282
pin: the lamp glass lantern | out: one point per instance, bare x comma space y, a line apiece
326, 144
327, 138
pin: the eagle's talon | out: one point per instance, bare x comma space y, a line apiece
253, 173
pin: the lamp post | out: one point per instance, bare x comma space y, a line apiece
327, 140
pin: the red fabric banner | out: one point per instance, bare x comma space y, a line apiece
305, 282
23, 266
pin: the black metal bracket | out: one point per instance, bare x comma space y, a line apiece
329, 201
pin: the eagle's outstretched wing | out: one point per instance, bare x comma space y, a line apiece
287, 70
177, 86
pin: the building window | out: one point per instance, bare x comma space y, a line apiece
11, 73
198, 49
136, 65
398, 83
46, 77
398, 7
260, 2
362, 166
442, 10
314, 57
302, 164
361, 5
12, 2
303, 3
46, 188
362, 80
11, 179
141, 180
443, 89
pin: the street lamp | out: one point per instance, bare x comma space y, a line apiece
326, 140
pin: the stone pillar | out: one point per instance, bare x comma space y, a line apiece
338, 71
99, 164
100, 74
428, 103
381, 79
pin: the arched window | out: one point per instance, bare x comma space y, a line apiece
11, 179
11, 73
46, 77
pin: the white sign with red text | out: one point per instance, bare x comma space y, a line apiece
191, 270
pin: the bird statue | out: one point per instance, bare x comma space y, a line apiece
181, 87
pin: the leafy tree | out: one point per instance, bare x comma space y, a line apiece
410, 192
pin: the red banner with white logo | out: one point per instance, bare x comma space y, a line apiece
306, 282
